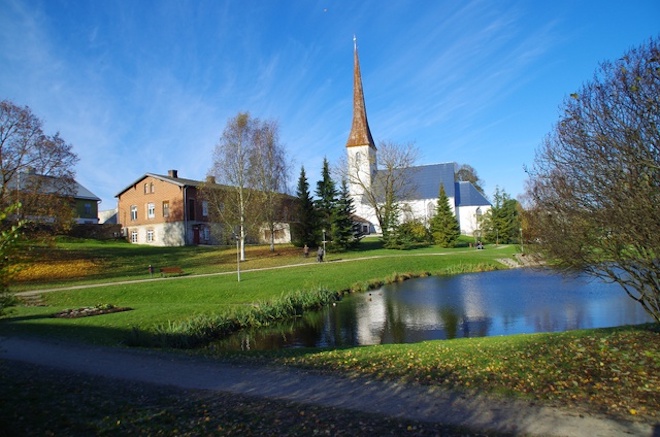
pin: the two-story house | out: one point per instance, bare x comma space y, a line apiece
164, 210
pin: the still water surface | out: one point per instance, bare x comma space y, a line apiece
470, 305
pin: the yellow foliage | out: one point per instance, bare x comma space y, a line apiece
52, 270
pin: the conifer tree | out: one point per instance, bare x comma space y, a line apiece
307, 217
502, 222
345, 233
326, 202
444, 226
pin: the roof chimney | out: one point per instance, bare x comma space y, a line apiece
210, 179
173, 173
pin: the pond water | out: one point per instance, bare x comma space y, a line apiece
469, 305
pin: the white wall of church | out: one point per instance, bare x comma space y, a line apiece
468, 218
424, 209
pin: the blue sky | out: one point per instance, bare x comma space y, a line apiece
143, 86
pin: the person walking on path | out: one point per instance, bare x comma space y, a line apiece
320, 254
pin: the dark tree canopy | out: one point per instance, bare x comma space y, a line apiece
326, 198
345, 233
306, 226
467, 173
594, 190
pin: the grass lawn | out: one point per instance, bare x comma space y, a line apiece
613, 371
209, 289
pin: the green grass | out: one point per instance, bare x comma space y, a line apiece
158, 302
614, 371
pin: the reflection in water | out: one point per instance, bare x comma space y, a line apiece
471, 305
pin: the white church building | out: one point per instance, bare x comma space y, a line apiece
424, 181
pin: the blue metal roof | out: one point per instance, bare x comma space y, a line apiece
467, 195
426, 180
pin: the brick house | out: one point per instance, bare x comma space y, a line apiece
163, 210
166, 210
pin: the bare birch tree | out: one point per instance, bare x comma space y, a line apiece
269, 173
231, 166
250, 165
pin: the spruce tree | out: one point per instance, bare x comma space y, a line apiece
307, 217
502, 222
444, 226
345, 233
326, 202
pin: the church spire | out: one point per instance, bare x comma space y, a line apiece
360, 134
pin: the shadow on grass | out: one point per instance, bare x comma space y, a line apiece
38, 326
8, 319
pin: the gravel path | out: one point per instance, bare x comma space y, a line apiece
360, 394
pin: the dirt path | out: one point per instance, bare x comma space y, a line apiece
360, 394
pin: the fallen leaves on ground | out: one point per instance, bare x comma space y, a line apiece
615, 372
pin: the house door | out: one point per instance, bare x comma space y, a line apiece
196, 235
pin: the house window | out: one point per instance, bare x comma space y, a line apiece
134, 212
205, 208
151, 188
134, 236
146, 188
166, 208
88, 209
206, 234
150, 235
151, 210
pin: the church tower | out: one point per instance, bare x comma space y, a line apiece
360, 147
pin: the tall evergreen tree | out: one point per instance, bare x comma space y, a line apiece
502, 222
326, 202
345, 233
307, 218
444, 226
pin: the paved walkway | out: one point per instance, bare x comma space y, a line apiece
361, 394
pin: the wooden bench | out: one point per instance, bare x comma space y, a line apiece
170, 270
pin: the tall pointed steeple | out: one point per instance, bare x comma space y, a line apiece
360, 134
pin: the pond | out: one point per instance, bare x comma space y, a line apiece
470, 305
